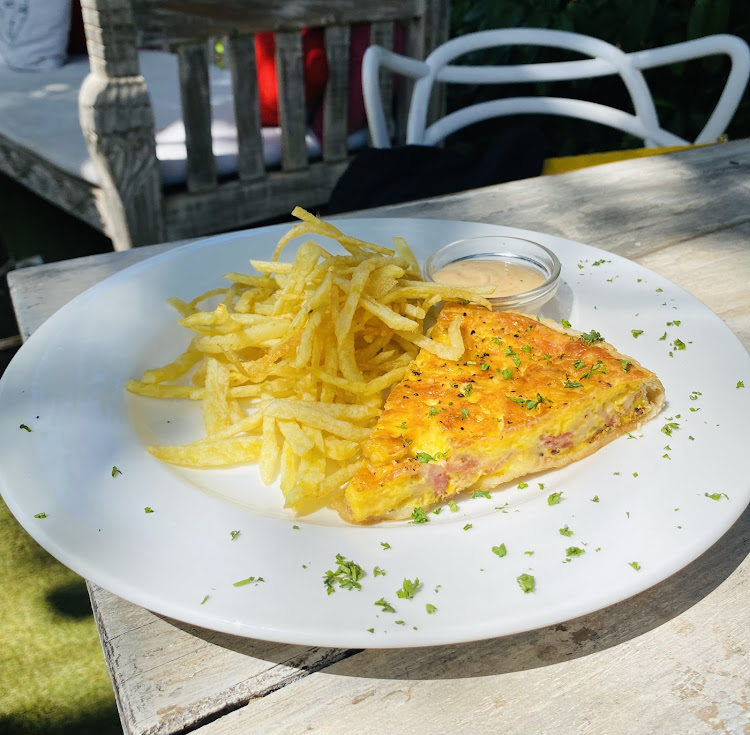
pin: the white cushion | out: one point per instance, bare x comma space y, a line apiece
34, 33
40, 112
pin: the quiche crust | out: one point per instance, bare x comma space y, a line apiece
526, 396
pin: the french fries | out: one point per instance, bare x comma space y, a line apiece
292, 366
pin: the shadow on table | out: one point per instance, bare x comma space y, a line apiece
572, 639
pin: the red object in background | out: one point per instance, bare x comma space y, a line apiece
315, 66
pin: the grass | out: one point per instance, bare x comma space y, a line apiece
54, 679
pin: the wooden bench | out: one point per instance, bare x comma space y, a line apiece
121, 187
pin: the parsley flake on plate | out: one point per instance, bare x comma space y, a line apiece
635, 565
554, 498
716, 496
636, 332
526, 582
116, 471
468, 526
250, 580
431, 609
347, 575
385, 544
574, 551
595, 499
565, 323
419, 516
499, 550
234, 534
481, 494
24, 427
740, 384
408, 589
205, 599
385, 605
148, 509
565, 531
453, 506
523, 485
378, 572
40, 515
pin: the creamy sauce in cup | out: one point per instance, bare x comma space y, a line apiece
507, 278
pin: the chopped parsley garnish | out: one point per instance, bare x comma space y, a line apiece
523, 485
529, 553
636, 332
423, 457
496, 340
347, 575
574, 551
431, 609
499, 550
554, 498
526, 582
484, 366
116, 471
481, 494
597, 367
464, 413
468, 526
234, 534
590, 337
387, 607
740, 384
572, 384
385, 544
668, 428
148, 509
526, 348
565, 531
716, 496
434, 411
40, 515
205, 599
408, 589
508, 374
579, 364
295, 527
625, 365
419, 516
24, 427
565, 323
635, 565
378, 572
529, 403
453, 506
402, 425
250, 580
678, 344
595, 499
468, 389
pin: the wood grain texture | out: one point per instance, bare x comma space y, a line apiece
290, 84
335, 102
241, 57
671, 659
192, 60
181, 20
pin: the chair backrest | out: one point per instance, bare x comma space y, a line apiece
604, 60
118, 122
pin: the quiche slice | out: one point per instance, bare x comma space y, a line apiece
526, 396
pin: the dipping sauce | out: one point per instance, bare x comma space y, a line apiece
507, 277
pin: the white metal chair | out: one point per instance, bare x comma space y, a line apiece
605, 60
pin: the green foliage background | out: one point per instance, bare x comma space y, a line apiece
685, 93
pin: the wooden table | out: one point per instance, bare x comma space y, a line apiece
672, 659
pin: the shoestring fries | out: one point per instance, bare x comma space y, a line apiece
292, 366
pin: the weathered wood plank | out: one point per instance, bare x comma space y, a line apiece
241, 57
336, 103
72, 194
382, 34
196, 114
181, 21
190, 215
290, 83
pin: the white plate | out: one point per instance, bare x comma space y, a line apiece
67, 382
